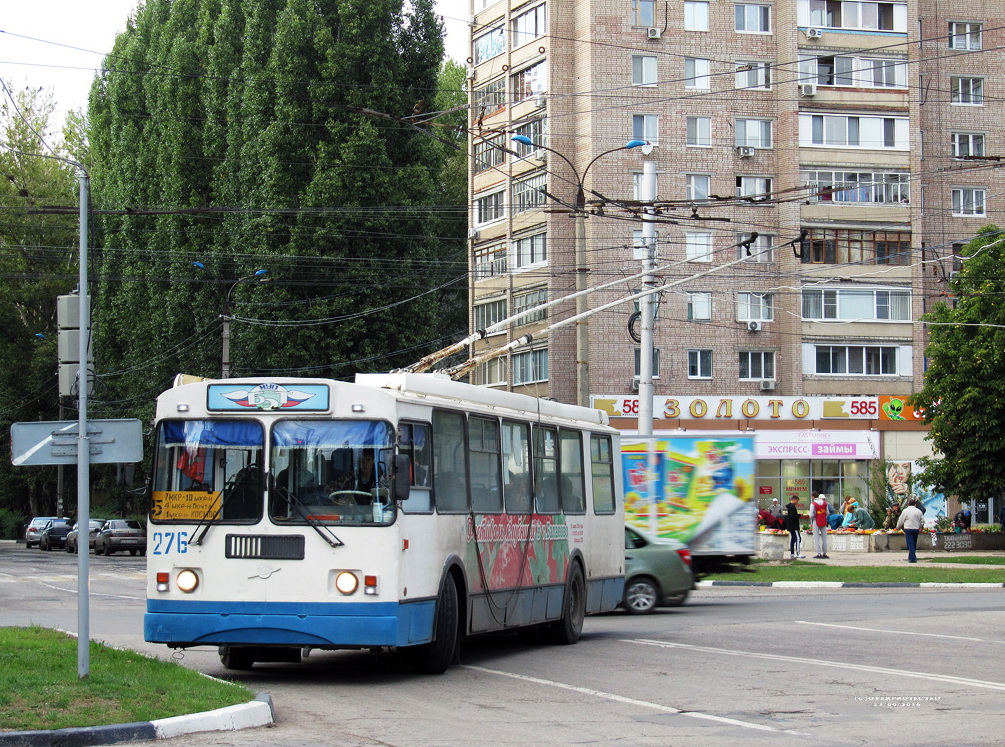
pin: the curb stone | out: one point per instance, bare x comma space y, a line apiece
258, 712
849, 585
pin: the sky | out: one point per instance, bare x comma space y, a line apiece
59, 44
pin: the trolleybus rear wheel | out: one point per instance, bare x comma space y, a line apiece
567, 630
435, 657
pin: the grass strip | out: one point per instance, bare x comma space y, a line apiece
39, 687
971, 560
796, 570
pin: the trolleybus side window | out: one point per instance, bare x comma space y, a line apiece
546, 469
571, 487
414, 442
483, 443
602, 463
450, 469
516, 462
208, 470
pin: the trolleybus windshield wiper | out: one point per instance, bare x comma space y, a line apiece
323, 530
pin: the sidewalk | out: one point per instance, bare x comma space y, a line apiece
892, 558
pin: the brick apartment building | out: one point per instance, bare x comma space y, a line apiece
849, 135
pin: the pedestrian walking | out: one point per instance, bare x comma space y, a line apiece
819, 511
911, 521
792, 524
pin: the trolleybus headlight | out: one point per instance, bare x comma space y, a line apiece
346, 582
187, 580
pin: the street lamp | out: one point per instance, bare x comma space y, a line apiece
225, 373
582, 326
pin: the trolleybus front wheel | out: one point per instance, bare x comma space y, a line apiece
434, 657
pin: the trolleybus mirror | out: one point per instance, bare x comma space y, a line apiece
402, 475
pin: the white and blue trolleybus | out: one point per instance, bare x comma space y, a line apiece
401, 511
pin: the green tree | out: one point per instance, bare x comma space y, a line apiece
268, 134
39, 250
963, 397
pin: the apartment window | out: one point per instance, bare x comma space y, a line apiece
530, 367
638, 190
966, 144
754, 188
535, 130
699, 364
753, 75
643, 12
757, 364
848, 14
755, 307
696, 15
699, 246
865, 360
487, 314
968, 91
489, 45
646, 127
965, 35
835, 130
758, 250
531, 250
969, 201
754, 133
489, 97
699, 132
883, 73
845, 70
489, 261
656, 362
856, 305
530, 83
697, 186
643, 70
752, 18
696, 73
490, 208
529, 193
489, 153
491, 372
699, 307
529, 25
851, 246
857, 187
525, 301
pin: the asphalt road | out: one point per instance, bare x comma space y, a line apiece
761, 666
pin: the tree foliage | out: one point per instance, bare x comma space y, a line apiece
39, 251
269, 134
963, 397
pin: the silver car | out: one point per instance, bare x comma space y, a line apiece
33, 532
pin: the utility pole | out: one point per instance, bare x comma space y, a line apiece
646, 351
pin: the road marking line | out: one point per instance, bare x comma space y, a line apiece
896, 632
91, 593
633, 701
948, 678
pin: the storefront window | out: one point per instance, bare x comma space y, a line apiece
800, 477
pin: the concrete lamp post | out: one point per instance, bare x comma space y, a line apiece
582, 270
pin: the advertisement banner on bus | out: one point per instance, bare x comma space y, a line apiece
696, 490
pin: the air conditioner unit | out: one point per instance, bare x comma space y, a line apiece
635, 384
473, 234
753, 326
653, 33
767, 385
745, 151
814, 33
808, 89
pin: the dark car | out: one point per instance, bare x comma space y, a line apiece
54, 534
657, 572
121, 534
71, 538
33, 531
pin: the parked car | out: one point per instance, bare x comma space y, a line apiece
120, 534
33, 530
71, 538
657, 572
54, 534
